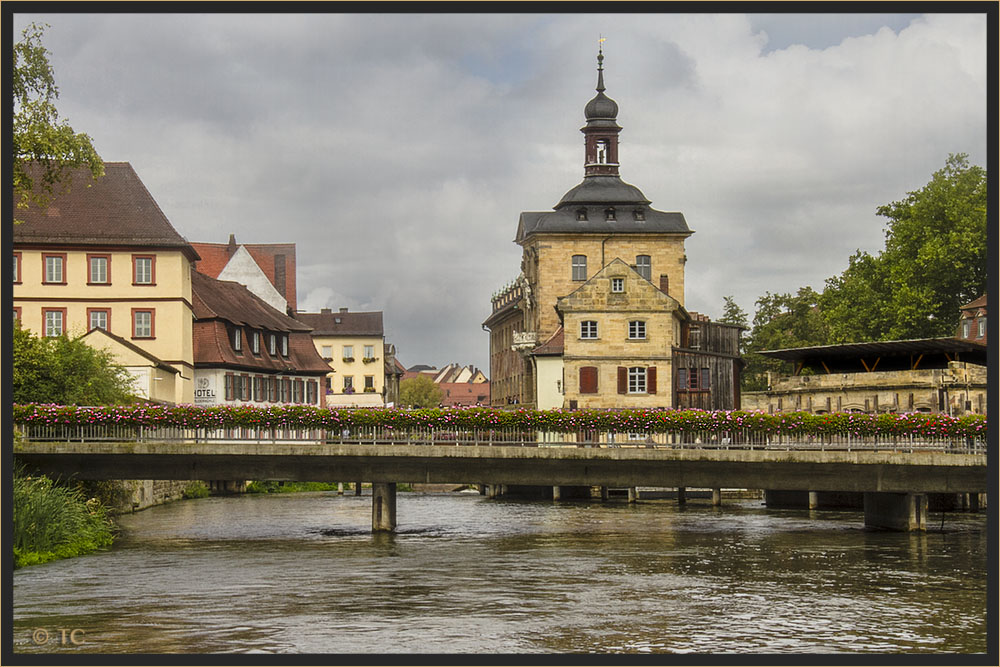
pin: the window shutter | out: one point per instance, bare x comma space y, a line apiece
651, 380
682, 378
622, 380
706, 379
588, 380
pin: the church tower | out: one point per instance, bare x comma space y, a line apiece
595, 223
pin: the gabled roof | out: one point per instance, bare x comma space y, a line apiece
978, 303
215, 257
598, 287
114, 210
234, 303
343, 323
154, 360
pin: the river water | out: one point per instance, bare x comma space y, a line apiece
301, 573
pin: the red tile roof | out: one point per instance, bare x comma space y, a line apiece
465, 393
220, 304
215, 256
114, 210
553, 346
343, 323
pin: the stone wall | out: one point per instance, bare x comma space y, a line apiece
932, 390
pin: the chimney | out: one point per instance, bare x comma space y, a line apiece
324, 311
664, 283
343, 310
231, 248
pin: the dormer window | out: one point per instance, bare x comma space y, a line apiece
639, 215
609, 214
238, 339
581, 214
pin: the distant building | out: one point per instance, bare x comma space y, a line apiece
266, 269
353, 346
460, 385
942, 375
596, 317
972, 324
104, 256
248, 352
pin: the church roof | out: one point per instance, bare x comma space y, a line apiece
565, 221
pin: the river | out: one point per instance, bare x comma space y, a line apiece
301, 573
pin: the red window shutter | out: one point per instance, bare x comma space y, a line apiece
622, 380
651, 380
588, 380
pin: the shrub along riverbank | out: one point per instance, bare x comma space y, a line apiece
52, 521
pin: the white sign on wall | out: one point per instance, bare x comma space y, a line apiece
204, 390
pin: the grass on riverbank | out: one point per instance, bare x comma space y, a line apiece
52, 522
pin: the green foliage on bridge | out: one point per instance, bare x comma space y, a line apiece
718, 422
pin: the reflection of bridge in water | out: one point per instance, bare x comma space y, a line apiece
894, 474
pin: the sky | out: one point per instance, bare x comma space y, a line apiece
398, 150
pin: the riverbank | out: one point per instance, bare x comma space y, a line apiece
51, 522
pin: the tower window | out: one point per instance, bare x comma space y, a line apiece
581, 214
602, 152
609, 214
579, 266
639, 215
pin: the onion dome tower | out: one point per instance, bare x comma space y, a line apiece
601, 130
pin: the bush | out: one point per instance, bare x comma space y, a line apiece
52, 522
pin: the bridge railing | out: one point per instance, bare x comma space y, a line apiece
734, 439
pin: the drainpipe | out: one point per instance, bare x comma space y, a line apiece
606, 239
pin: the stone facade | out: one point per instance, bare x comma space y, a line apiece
958, 389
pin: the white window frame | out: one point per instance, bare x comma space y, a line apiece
326, 351
144, 329
143, 271
588, 329
238, 339
255, 342
98, 313
348, 352
637, 330
369, 351
272, 345
637, 380
982, 326
578, 267
52, 262
617, 285
101, 262
54, 325
284, 345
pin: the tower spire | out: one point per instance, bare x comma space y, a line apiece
600, 65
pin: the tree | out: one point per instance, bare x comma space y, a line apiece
781, 321
420, 392
65, 371
934, 261
45, 149
732, 313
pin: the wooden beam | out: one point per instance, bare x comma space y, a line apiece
877, 359
798, 369
825, 367
916, 363
865, 365
948, 357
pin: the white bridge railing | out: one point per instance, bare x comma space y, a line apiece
735, 439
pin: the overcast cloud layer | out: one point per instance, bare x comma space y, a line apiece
397, 151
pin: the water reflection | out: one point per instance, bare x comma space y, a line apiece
302, 573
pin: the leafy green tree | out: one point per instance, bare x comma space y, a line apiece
732, 313
46, 149
781, 321
420, 392
934, 261
65, 371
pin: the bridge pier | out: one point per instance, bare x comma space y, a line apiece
340, 488
633, 494
556, 493
896, 511
604, 494
681, 495
357, 488
716, 497
383, 506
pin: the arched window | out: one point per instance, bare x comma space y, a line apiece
602, 152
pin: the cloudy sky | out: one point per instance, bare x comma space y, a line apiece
397, 150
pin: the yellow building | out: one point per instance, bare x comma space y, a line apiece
353, 344
103, 255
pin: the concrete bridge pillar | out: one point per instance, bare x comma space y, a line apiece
716, 497
357, 488
556, 493
340, 488
813, 500
383, 506
604, 494
633, 494
681, 495
896, 511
